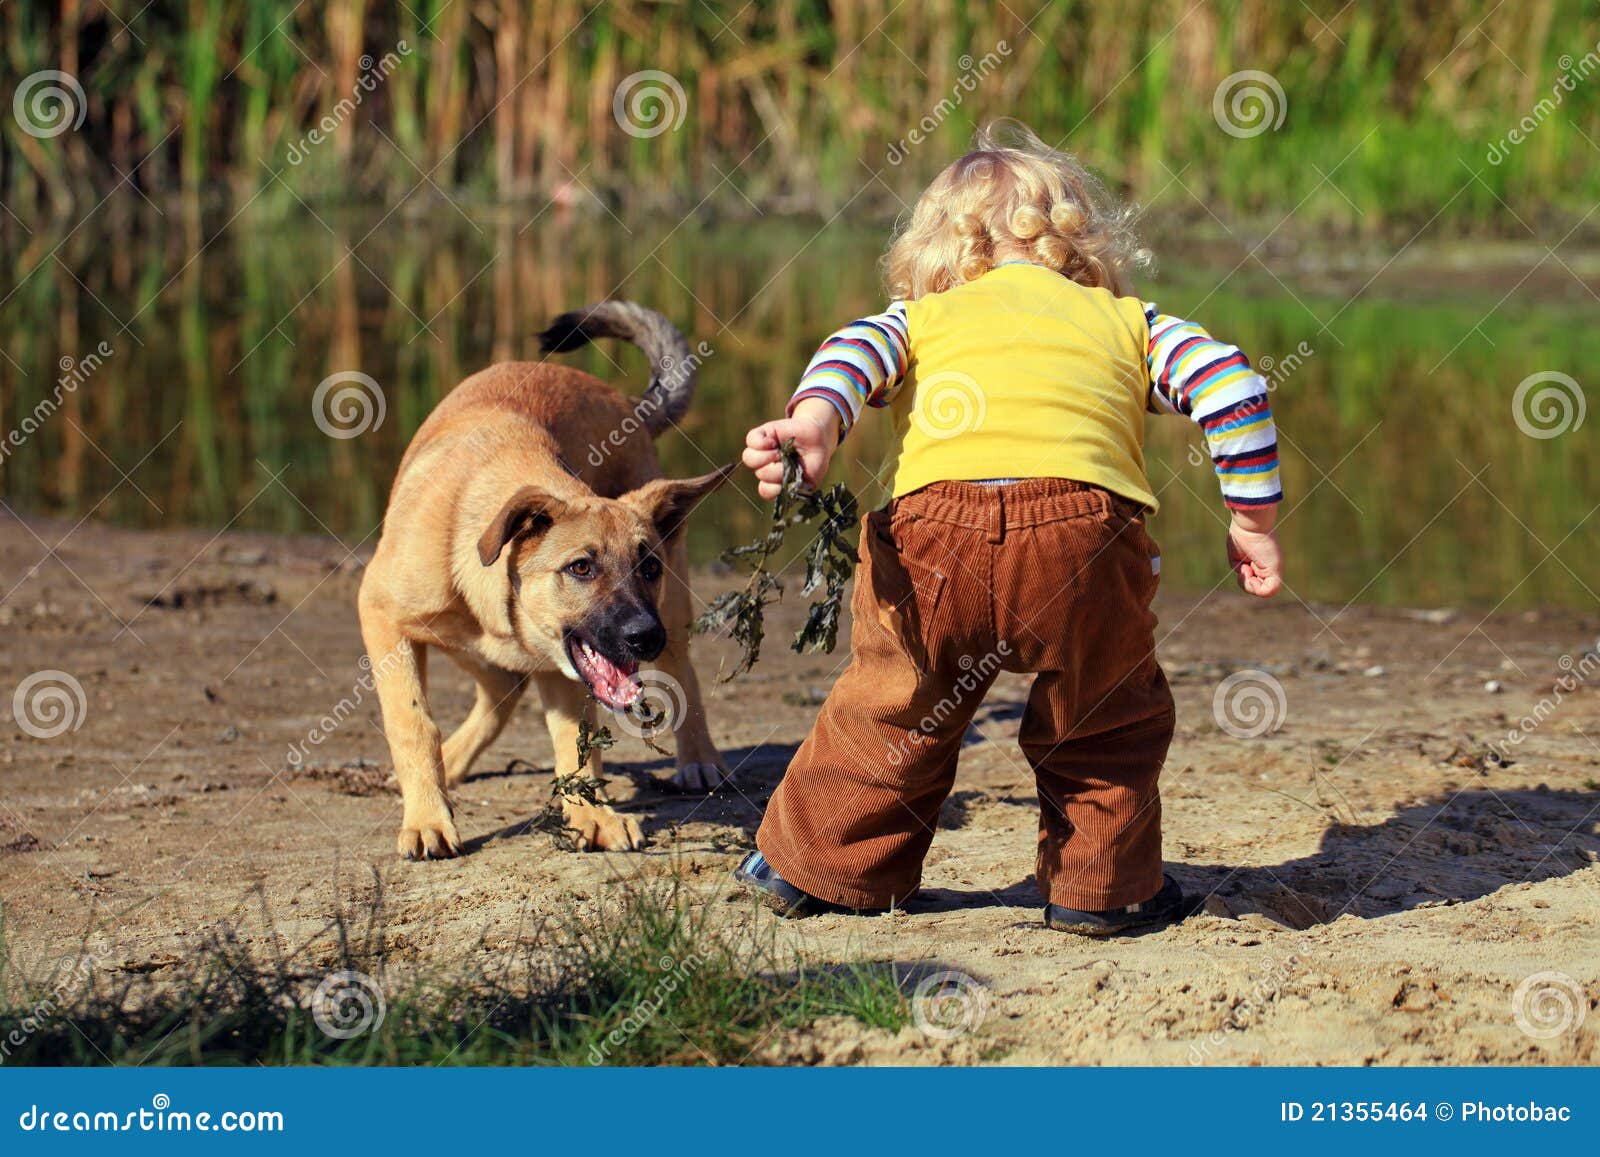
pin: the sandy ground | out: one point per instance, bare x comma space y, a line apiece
1374, 891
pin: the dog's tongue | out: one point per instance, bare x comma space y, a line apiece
612, 685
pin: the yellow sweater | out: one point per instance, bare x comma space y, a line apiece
1024, 374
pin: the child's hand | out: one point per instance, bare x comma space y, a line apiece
1253, 552
814, 429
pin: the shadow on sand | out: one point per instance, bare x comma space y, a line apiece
1437, 852
1444, 851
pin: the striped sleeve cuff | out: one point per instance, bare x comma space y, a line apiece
1213, 384
838, 401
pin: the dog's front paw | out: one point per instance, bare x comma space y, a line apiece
596, 827
429, 834
701, 775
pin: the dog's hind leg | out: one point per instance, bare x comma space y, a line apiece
700, 766
499, 691
400, 672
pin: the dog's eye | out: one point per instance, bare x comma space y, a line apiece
580, 568
650, 568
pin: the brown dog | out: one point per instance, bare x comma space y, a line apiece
530, 536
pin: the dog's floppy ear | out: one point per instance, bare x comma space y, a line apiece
530, 509
667, 501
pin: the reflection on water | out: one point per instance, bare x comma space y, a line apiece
150, 381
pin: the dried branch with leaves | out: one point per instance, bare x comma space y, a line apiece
830, 560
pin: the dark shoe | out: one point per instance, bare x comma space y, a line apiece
760, 877
1162, 908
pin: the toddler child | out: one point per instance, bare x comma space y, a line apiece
1018, 370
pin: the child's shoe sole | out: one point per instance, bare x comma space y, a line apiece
757, 876
1165, 907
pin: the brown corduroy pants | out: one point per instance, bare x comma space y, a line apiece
958, 582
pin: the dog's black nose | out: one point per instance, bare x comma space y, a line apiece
645, 636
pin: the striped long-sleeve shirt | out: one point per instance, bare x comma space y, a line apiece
1190, 373
1211, 382
862, 364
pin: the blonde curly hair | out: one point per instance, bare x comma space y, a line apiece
1014, 193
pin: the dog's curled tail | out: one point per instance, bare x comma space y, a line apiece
673, 365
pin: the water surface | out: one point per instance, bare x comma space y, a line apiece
192, 356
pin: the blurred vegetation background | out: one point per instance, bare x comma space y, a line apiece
795, 104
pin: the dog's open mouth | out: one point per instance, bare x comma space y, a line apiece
616, 685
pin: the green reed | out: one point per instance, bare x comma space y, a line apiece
801, 101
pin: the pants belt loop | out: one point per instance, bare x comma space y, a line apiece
997, 522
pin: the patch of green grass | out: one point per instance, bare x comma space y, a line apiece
656, 977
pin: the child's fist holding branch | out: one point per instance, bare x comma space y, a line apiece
813, 427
